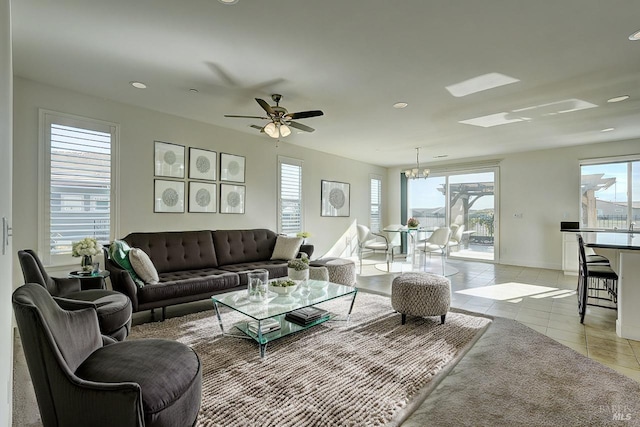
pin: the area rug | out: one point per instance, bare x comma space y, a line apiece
515, 376
370, 371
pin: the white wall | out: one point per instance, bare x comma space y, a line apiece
6, 330
138, 129
542, 185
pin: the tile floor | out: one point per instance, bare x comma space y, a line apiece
544, 300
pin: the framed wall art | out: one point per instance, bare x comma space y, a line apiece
168, 196
232, 198
231, 167
168, 159
202, 164
202, 197
335, 198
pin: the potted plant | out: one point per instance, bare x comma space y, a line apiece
298, 268
86, 248
413, 223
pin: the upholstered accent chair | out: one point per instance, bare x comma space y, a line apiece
113, 308
83, 378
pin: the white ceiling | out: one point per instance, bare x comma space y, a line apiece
353, 59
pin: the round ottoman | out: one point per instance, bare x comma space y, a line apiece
342, 271
319, 273
421, 294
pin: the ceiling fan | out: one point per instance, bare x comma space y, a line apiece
280, 119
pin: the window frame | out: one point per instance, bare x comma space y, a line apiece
380, 204
45, 119
292, 162
629, 160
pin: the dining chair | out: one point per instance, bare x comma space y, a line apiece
377, 242
456, 237
437, 242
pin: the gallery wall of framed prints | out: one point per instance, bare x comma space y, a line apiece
201, 192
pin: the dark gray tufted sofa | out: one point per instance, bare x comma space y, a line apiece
193, 265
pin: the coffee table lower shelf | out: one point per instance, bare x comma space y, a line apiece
286, 328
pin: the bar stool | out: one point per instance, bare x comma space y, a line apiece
595, 279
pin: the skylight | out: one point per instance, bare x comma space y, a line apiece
480, 83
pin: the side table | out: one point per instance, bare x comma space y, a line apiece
91, 280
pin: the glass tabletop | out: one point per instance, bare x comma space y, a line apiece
275, 304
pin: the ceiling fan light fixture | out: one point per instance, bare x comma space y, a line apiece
271, 130
284, 130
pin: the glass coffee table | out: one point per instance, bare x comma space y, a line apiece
276, 307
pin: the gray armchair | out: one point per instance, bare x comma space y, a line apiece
113, 308
82, 378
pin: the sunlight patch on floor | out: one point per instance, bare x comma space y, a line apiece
507, 291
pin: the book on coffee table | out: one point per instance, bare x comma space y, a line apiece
306, 315
266, 326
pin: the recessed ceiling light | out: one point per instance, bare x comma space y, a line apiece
400, 105
228, 1
607, 129
138, 85
635, 36
441, 156
618, 98
192, 90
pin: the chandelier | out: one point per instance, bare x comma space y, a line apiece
416, 173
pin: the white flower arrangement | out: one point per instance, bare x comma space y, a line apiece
86, 247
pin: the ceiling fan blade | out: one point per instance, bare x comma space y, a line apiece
247, 117
304, 114
300, 126
265, 106
260, 128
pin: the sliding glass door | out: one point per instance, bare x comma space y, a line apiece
465, 202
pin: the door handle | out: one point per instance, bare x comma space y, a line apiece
6, 233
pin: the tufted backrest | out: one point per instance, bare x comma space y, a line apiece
238, 246
176, 250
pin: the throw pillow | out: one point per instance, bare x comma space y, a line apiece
286, 247
143, 266
119, 253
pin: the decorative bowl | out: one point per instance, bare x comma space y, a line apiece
283, 287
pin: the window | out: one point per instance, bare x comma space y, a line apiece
461, 200
76, 184
290, 196
610, 193
375, 213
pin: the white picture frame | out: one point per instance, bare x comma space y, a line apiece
168, 159
202, 197
202, 164
168, 196
232, 167
232, 199
335, 198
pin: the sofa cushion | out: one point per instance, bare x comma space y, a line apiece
286, 247
119, 252
240, 246
143, 266
276, 268
176, 250
182, 284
